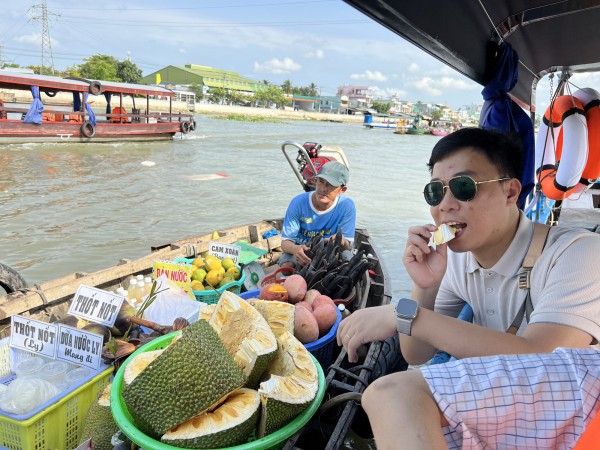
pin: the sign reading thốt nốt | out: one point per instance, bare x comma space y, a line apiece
180, 274
223, 251
79, 346
96, 305
33, 336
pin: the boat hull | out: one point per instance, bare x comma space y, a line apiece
19, 132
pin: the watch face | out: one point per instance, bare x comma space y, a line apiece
407, 308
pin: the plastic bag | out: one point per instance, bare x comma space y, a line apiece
26, 394
171, 303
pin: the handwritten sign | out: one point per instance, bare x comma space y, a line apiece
33, 336
180, 274
96, 305
79, 346
222, 251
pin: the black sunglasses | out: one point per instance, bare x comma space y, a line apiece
463, 188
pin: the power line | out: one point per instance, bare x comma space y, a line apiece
241, 5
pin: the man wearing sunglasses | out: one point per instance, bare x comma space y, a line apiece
474, 188
322, 211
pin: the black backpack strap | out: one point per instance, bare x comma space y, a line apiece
536, 247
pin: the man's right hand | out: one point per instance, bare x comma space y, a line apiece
426, 266
299, 253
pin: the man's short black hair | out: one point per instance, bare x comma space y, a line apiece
502, 149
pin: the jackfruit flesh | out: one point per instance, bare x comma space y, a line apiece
246, 334
138, 363
230, 424
291, 384
99, 423
443, 234
206, 311
191, 376
279, 315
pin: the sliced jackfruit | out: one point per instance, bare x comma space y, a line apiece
279, 315
292, 382
206, 311
443, 234
246, 334
138, 363
228, 425
99, 423
193, 375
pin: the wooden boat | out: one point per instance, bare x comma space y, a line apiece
440, 132
47, 119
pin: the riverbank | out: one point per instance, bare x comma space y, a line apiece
99, 105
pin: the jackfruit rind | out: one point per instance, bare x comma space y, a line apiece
292, 382
246, 334
230, 424
279, 315
99, 423
191, 376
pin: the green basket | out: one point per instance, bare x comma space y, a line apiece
211, 296
273, 441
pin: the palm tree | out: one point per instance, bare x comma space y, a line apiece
287, 87
313, 90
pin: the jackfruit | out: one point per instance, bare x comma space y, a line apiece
99, 423
207, 311
138, 363
279, 315
194, 374
292, 382
443, 234
246, 334
230, 424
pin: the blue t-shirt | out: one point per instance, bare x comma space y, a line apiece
302, 221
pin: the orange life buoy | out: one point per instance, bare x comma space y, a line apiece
590, 98
559, 169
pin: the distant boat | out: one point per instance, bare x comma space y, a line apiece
76, 121
440, 132
416, 130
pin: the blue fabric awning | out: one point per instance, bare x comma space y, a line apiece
500, 112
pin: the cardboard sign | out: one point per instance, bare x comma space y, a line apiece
33, 336
222, 251
180, 274
79, 346
96, 305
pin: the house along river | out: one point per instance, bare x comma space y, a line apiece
81, 207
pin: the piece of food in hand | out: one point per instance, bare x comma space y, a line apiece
443, 234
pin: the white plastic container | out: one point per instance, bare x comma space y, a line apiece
29, 367
76, 375
54, 371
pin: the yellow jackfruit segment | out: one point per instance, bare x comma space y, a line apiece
443, 234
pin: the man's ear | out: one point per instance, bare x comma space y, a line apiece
344, 189
513, 189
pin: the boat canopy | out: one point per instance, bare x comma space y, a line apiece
15, 80
548, 35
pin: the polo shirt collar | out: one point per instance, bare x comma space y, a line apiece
512, 259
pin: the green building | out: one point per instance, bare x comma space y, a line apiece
207, 77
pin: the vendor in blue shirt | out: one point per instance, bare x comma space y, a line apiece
322, 211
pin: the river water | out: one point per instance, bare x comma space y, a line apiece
81, 207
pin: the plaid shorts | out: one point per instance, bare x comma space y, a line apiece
517, 401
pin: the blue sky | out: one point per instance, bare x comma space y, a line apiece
325, 42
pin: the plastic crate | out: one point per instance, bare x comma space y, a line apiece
56, 424
211, 297
322, 348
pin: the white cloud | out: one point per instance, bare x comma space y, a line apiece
35, 39
414, 67
182, 50
317, 54
369, 75
435, 87
277, 66
387, 93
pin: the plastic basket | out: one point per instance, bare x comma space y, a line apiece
322, 348
279, 276
56, 424
273, 441
211, 296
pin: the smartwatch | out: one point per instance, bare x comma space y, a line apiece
406, 311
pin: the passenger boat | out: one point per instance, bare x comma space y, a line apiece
62, 111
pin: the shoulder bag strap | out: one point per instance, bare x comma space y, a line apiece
536, 246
